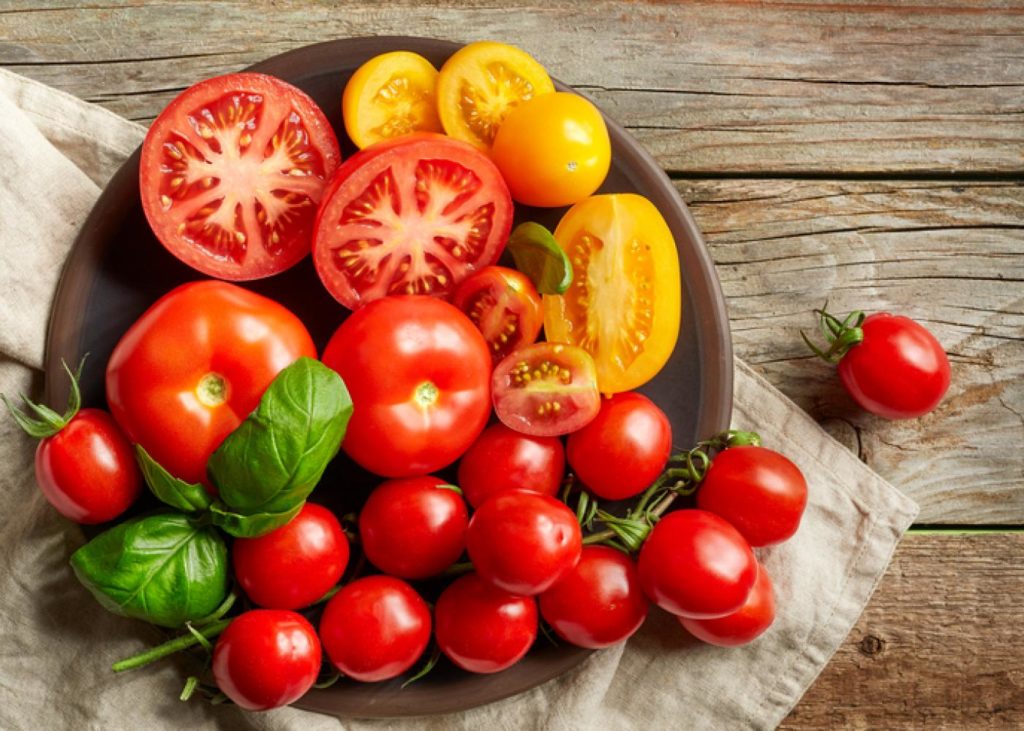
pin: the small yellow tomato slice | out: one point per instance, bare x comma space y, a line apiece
623, 306
390, 95
553, 150
481, 83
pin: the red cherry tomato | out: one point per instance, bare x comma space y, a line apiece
375, 628
232, 173
898, 371
419, 375
624, 449
413, 215
758, 490
745, 624
599, 602
413, 527
505, 305
294, 565
695, 564
266, 658
523, 542
502, 460
195, 365
481, 628
546, 389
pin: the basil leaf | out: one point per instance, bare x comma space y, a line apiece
163, 568
539, 256
275, 458
168, 489
250, 526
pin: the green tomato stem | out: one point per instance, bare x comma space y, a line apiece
170, 647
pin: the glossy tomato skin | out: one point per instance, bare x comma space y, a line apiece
484, 629
759, 491
266, 658
523, 542
899, 370
695, 564
502, 460
87, 470
624, 449
599, 603
418, 372
194, 365
375, 628
744, 625
294, 565
504, 304
414, 527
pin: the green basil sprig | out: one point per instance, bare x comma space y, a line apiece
168, 489
265, 469
166, 569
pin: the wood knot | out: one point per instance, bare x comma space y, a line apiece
871, 645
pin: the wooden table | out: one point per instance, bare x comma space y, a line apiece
867, 153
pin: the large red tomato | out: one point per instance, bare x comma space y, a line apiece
413, 215
232, 173
195, 365
419, 374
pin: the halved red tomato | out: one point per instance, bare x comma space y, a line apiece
414, 215
505, 307
546, 389
232, 173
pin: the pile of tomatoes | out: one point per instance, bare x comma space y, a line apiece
241, 177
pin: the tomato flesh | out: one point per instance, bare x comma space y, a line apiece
504, 305
232, 173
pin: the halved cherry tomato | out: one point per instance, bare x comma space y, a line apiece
414, 215
481, 83
505, 305
390, 95
546, 389
232, 173
553, 150
623, 306
744, 625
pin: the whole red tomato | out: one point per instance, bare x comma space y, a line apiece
898, 371
599, 602
195, 365
266, 658
481, 628
695, 564
294, 565
375, 628
758, 490
523, 542
624, 449
503, 459
414, 527
419, 375
745, 624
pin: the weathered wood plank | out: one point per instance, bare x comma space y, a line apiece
950, 256
706, 86
938, 647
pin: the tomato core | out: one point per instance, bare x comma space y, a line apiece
426, 394
212, 390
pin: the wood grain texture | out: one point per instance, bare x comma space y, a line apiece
950, 256
938, 647
797, 87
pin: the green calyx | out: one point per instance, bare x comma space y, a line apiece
841, 335
46, 421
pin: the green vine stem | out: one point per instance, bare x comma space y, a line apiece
841, 335
46, 421
208, 632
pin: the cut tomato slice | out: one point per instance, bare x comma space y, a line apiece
414, 215
623, 306
232, 173
481, 83
391, 95
505, 307
546, 389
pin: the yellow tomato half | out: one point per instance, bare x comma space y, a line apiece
553, 150
624, 303
481, 83
390, 95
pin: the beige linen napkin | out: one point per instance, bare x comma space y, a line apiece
56, 644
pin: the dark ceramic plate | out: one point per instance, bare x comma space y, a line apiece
117, 269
